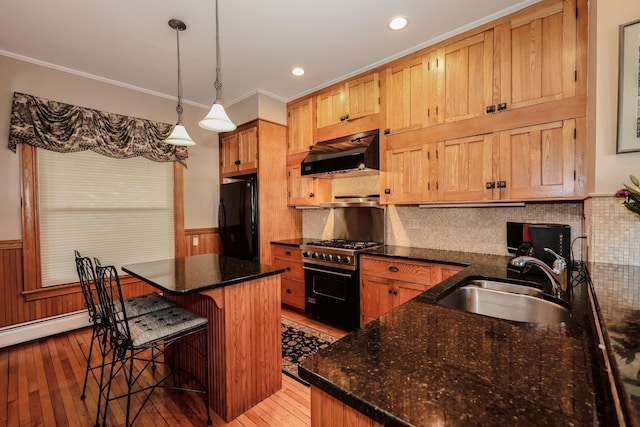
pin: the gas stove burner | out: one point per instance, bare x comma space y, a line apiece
344, 244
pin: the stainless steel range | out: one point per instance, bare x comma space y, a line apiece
338, 253
332, 290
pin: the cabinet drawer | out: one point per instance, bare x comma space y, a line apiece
407, 271
286, 252
292, 293
293, 270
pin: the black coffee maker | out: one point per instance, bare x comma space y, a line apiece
531, 239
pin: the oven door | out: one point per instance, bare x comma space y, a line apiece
332, 295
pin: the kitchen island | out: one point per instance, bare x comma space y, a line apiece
241, 300
425, 364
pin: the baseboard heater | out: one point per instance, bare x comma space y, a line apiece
29, 331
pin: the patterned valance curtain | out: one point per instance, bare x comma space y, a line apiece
67, 128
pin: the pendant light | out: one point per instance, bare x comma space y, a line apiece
217, 119
179, 136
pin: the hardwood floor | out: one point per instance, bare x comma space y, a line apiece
41, 383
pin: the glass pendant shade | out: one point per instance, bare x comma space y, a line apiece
217, 120
179, 136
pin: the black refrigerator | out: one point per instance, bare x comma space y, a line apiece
238, 218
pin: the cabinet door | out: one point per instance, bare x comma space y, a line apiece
538, 55
405, 95
306, 191
538, 161
300, 126
465, 167
330, 107
248, 149
375, 298
444, 271
407, 175
468, 74
229, 153
404, 291
363, 96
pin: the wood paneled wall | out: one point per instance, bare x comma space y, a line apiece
18, 305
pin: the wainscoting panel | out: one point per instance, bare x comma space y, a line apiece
20, 306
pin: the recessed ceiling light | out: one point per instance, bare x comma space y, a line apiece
398, 23
297, 71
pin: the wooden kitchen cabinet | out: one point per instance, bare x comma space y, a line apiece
528, 163
292, 280
305, 190
300, 126
239, 152
363, 96
406, 98
386, 283
330, 107
409, 175
539, 56
538, 162
260, 146
468, 77
465, 167
356, 98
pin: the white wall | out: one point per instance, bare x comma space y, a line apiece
611, 169
201, 176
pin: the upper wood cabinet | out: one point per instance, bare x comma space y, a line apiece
363, 96
356, 98
538, 162
465, 169
300, 126
305, 190
538, 54
468, 77
529, 163
410, 175
239, 152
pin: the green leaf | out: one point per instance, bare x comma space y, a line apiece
632, 189
635, 180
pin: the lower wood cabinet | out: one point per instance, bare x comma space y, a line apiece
386, 283
292, 280
327, 411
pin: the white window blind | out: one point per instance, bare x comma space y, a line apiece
119, 210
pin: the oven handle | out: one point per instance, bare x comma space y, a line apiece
335, 273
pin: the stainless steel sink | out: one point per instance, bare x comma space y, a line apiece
506, 301
512, 287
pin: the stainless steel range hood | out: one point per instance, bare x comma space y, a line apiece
349, 155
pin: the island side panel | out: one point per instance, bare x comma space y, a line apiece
245, 361
327, 411
254, 344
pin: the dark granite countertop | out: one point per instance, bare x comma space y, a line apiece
425, 364
293, 242
198, 273
617, 289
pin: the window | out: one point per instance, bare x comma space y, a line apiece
119, 210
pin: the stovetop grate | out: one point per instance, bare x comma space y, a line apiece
344, 244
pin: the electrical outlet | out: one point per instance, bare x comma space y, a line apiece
194, 241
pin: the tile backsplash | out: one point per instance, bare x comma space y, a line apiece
480, 230
472, 229
612, 232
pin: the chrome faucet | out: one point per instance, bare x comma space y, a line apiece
556, 274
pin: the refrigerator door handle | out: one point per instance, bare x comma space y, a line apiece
222, 218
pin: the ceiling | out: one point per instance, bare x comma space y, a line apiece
129, 42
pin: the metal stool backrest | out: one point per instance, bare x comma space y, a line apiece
112, 302
86, 274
